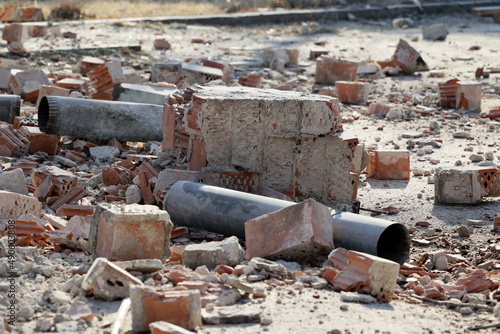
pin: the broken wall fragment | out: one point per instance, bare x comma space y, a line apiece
130, 232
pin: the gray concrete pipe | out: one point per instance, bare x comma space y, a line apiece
216, 209
100, 120
10, 106
380, 237
225, 211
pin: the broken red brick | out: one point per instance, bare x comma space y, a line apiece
28, 84
70, 197
88, 64
447, 93
408, 59
26, 226
352, 92
161, 44
70, 210
179, 307
130, 232
389, 165
299, 232
62, 180
168, 122
108, 281
115, 176
51, 91
198, 158
41, 142
493, 113
378, 108
106, 76
364, 273
329, 70
12, 141
147, 194
44, 190
315, 54
72, 84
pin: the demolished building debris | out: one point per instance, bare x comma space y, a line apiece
220, 189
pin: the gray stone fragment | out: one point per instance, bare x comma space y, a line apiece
231, 315
271, 267
65, 161
14, 181
104, 152
145, 266
355, 297
133, 194
211, 254
435, 32
108, 281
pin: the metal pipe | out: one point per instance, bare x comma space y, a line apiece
216, 209
226, 211
10, 106
100, 120
375, 236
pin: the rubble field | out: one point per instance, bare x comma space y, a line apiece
326, 177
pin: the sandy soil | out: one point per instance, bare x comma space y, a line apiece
295, 310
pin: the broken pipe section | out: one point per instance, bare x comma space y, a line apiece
226, 211
10, 106
100, 120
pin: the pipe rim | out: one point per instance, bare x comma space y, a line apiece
394, 243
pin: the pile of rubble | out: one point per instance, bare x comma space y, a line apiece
196, 188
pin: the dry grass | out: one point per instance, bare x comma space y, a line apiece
104, 9
122, 9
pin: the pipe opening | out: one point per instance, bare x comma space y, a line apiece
394, 243
43, 114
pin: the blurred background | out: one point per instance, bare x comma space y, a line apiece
102, 9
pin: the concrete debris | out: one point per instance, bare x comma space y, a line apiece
130, 232
149, 305
231, 315
435, 32
379, 280
466, 185
108, 281
301, 232
211, 254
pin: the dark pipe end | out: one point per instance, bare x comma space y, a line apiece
394, 243
43, 114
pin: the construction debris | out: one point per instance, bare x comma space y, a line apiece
253, 154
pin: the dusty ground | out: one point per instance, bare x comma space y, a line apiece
296, 310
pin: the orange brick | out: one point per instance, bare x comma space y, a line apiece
378, 108
447, 93
352, 92
70, 197
299, 232
42, 142
329, 70
198, 158
182, 308
130, 232
364, 273
62, 180
12, 142
389, 165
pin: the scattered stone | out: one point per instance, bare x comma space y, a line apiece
211, 254
476, 158
463, 232
355, 297
231, 315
